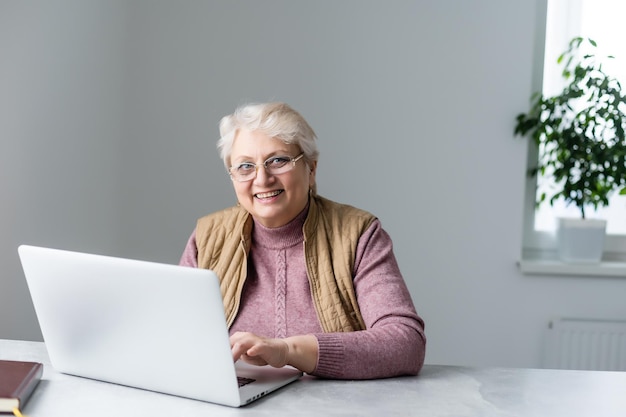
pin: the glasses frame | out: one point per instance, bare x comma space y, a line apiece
292, 161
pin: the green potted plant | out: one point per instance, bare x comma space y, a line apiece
582, 144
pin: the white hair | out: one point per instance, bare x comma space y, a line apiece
276, 120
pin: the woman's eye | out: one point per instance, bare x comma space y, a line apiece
245, 167
278, 161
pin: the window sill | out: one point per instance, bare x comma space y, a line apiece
548, 264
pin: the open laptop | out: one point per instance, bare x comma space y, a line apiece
142, 324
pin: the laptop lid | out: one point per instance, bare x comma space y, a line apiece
142, 324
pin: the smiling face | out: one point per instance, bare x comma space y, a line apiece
273, 200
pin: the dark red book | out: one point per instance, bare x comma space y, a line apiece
18, 380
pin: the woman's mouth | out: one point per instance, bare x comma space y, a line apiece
269, 194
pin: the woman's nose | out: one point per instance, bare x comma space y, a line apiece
262, 176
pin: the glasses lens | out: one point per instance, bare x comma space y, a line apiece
243, 172
278, 164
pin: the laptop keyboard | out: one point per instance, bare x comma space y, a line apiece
244, 381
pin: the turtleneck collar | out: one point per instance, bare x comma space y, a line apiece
280, 237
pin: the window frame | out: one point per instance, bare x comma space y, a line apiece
539, 252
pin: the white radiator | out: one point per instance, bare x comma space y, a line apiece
586, 344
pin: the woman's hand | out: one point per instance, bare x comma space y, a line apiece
298, 351
258, 350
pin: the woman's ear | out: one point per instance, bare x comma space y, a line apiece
312, 171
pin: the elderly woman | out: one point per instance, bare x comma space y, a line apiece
306, 282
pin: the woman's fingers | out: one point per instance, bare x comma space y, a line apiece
258, 350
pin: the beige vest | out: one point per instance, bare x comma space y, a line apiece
331, 233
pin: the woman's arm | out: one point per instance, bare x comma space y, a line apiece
394, 342
190, 253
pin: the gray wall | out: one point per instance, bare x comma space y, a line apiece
108, 124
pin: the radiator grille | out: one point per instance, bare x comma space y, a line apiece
586, 344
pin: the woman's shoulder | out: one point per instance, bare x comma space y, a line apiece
222, 221
331, 215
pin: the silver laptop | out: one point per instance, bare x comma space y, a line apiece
141, 324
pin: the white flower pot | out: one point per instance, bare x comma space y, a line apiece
581, 240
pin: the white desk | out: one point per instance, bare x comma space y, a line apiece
438, 391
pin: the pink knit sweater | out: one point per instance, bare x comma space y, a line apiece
277, 303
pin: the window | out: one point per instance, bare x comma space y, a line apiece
601, 20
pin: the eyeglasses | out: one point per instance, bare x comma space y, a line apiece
275, 165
